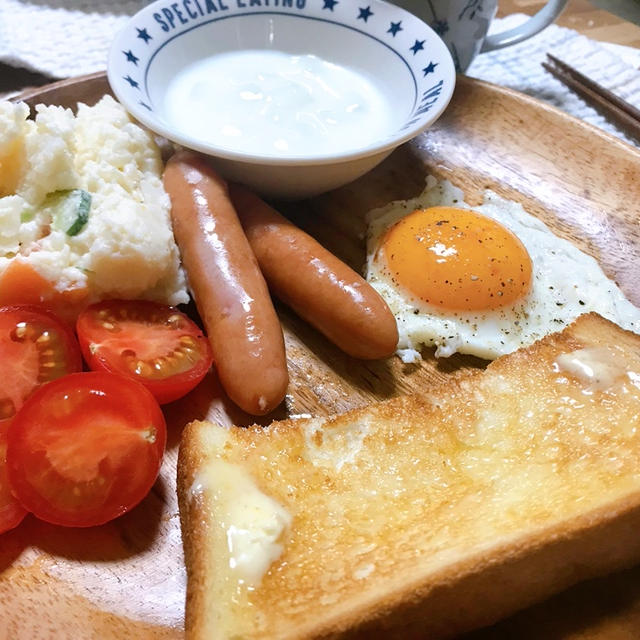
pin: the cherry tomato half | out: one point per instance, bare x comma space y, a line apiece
11, 511
154, 344
35, 347
85, 448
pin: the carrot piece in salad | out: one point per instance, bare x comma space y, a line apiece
20, 283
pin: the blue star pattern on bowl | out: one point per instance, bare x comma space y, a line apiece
131, 57
418, 45
365, 13
430, 68
143, 35
394, 27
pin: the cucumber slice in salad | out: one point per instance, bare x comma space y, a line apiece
69, 210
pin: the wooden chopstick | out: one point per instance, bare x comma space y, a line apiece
623, 114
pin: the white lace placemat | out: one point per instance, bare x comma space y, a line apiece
65, 38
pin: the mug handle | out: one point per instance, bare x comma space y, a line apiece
533, 25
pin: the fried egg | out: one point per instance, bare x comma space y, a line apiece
485, 280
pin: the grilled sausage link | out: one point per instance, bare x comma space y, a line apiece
228, 288
316, 284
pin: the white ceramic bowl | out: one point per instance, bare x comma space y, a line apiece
407, 62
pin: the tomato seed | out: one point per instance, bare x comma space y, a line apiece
142, 368
20, 332
149, 435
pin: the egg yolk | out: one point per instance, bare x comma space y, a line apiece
457, 259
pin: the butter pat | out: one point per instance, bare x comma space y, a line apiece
253, 522
597, 368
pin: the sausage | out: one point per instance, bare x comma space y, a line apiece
229, 291
317, 285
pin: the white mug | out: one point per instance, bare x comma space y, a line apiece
463, 25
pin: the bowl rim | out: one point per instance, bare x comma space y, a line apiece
145, 115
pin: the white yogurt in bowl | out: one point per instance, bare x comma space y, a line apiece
292, 97
276, 103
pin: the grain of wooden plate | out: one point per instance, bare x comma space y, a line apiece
126, 578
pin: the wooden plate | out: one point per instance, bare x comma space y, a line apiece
126, 579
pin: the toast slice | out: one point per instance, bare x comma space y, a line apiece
420, 517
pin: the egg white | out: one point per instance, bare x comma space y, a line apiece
566, 283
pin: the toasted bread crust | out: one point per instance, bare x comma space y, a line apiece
467, 589
193, 518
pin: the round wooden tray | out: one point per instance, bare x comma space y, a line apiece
126, 578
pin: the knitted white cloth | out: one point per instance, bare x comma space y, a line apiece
65, 38
61, 38
519, 67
